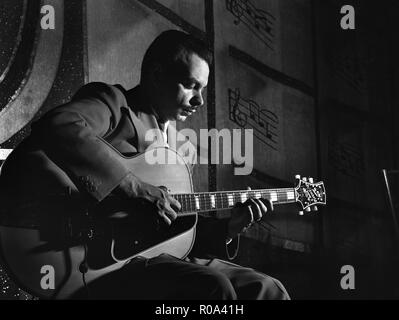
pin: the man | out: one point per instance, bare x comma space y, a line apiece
80, 137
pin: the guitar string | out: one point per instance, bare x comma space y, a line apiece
230, 194
241, 191
193, 196
222, 199
226, 199
219, 203
234, 193
189, 208
204, 199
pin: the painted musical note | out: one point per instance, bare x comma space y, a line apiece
248, 114
235, 113
236, 9
254, 115
260, 22
351, 69
269, 125
346, 159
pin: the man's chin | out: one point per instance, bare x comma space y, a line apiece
181, 118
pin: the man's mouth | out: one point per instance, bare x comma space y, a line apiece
188, 111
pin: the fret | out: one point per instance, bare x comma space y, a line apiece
201, 202
243, 197
205, 201
209, 205
221, 200
278, 196
291, 195
178, 198
189, 202
273, 196
225, 201
184, 202
184, 198
237, 197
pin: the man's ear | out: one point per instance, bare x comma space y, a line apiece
157, 75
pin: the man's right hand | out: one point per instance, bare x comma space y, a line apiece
165, 205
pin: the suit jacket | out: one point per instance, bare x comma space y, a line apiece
80, 137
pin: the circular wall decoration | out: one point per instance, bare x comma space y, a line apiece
33, 63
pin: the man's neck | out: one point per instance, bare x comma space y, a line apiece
138, 98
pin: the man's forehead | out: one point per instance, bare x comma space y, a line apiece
194, 67
184, 56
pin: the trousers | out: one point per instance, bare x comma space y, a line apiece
166, 277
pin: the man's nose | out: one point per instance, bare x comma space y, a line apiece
197, 100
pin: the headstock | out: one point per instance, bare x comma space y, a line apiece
309, 194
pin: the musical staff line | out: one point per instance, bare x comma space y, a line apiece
259, 22
346, 159
248, 114
351, 70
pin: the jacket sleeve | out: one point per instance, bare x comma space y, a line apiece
210, 238
72, 136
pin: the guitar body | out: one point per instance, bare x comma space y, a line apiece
33, 262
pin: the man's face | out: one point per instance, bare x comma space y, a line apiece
180, 93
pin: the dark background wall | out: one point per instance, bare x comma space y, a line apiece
324, 101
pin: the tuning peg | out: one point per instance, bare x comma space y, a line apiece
304, 179
298, 176
308, 209
314, 208
300, 213
310, 179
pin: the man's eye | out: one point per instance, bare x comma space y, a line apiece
189, 85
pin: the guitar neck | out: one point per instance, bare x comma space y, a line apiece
222, 200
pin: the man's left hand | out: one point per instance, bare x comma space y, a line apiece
244, 215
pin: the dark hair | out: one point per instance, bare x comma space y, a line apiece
165, 50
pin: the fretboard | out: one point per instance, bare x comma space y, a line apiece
222, 200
